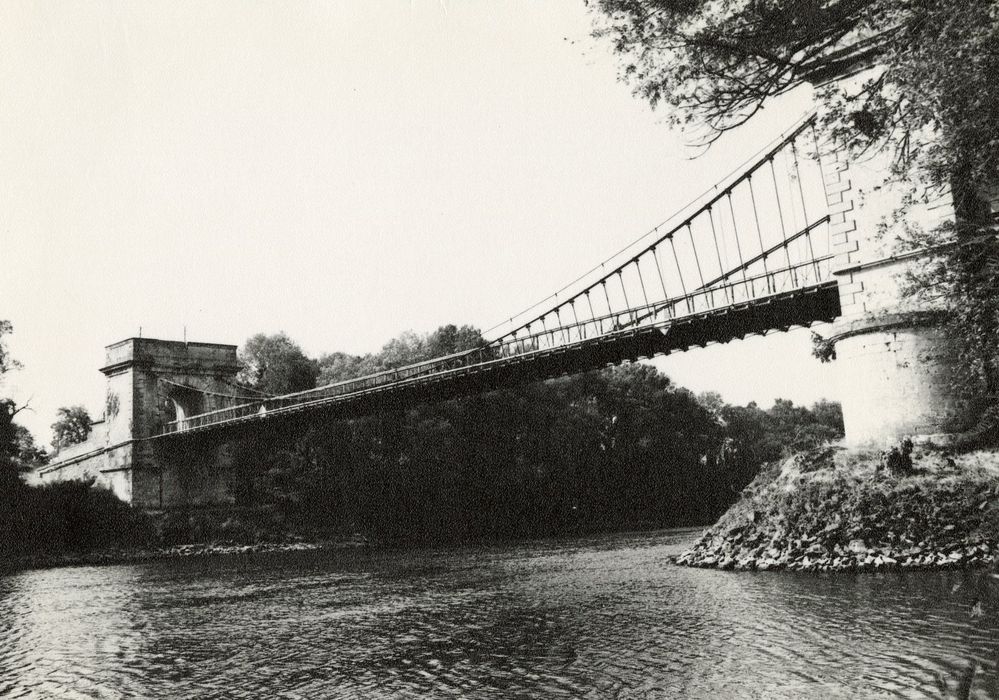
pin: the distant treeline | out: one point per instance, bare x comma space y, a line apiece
617, 448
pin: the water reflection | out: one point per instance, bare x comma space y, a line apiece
58, 632
604, 617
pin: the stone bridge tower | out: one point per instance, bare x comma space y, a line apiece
150, 383
897, 368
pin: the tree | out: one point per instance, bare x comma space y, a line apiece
72, 426
717, 62
8, 408
340, 366
8, 433
18, 451
274, 364
451, 339
829, 414
712, 402
7, 363
406, 349
29, 454
930, 100
754, 436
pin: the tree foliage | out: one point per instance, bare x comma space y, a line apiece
933, 97
7, 363
18, 451
26, 453
72, 426
8, 434
68, 516
755, 435
406, 349
274, 364
963, 280
930, 99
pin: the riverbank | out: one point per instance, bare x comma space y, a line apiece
110, 557
836, 510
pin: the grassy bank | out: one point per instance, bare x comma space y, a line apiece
835, 510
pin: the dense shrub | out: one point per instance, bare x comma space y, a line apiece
66, 517
608, 450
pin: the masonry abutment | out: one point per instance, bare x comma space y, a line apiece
898, 371
150, 383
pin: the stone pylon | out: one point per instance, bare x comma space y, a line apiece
897, 368
149, 384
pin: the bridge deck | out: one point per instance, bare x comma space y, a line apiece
798, 307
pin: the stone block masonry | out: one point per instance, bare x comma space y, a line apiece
897, 370
150, 383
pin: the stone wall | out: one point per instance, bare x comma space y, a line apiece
107, 466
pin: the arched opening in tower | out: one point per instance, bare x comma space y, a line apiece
180, 402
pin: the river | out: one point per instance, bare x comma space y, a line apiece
599, 617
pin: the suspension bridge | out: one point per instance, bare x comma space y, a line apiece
753, 256
784, 240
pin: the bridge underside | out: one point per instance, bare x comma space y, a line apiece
801, 307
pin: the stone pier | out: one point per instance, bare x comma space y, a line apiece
897, 369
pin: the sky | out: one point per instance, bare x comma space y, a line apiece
339, 171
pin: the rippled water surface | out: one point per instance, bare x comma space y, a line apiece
592, 618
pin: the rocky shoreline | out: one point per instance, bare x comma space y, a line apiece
131, 556
836, 510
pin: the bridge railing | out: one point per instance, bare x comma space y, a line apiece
349, 386
770, 215
722, 296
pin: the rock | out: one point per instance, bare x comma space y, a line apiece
898, 458
832, 527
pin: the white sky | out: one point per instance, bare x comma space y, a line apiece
338, 171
